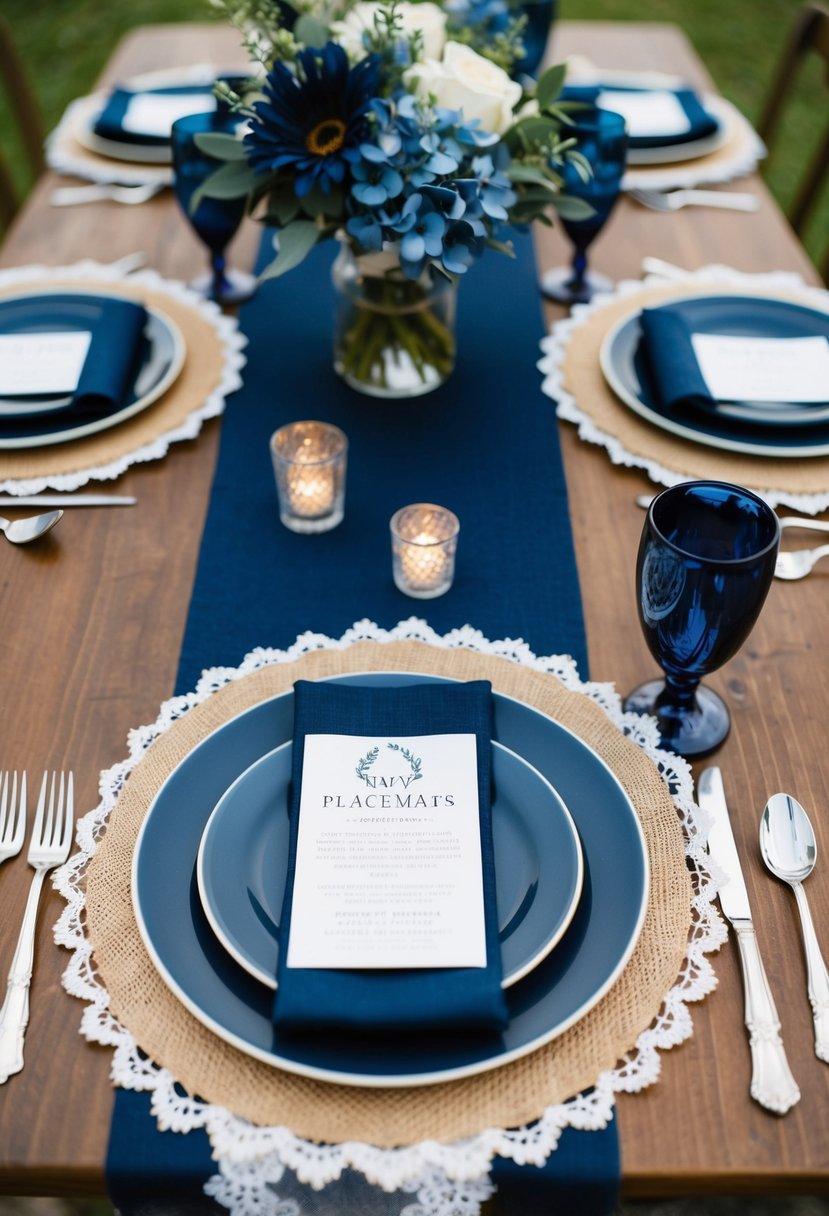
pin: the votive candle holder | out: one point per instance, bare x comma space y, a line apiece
309, 464
424, 540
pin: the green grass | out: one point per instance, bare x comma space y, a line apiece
65, 44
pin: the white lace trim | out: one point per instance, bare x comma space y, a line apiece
232, 342
554, 345
447, 1179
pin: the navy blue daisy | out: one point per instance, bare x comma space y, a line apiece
310, 117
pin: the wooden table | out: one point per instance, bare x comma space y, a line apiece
92, 623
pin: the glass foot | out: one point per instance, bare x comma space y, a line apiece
693, 732
238, 287
562, 286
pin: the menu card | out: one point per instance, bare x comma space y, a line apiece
764, 369
155, 113
654, 112
37, 364
388, 863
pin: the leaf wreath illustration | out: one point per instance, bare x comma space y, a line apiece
366, 763
414, 761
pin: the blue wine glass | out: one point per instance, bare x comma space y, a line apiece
601, 138
705, 565
540, 15
215, 220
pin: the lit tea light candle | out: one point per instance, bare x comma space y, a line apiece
309, 460
424, 540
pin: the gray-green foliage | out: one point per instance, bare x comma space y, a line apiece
65, 44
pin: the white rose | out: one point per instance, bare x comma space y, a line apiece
427, 17
464, 80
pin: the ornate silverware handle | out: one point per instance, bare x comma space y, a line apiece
14, 1016
818, 979
772, 1083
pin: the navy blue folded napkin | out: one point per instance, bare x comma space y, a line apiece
110, 122
669, 356
701, 122
117, 329
451, 999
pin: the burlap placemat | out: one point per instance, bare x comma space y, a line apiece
582, 377
506, 1097
200, 376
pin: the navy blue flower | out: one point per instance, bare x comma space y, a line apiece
310, 117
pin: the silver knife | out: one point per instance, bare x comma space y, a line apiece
772, 1084
67, 500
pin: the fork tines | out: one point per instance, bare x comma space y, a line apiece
12, 814
57, 832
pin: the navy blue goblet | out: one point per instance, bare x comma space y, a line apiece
215, 220
601, 138
540, 15
705, 565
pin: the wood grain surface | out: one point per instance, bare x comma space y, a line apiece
92, 621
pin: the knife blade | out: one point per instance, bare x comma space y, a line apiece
772, 1083
67, 500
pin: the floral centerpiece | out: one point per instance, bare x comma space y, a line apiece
396, 128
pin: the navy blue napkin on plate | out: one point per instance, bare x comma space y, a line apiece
701, 122
117, 328
670, 358
427, 999
110, 122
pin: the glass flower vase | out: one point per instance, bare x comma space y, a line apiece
394, 336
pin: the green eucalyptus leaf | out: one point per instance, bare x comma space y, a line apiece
233, 180
317, 202
538, 128
296, 241
310, 31
529, 173
220, 146
570, 208
550, 85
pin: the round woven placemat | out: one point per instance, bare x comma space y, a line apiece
594, 398
505, 1097
199, 377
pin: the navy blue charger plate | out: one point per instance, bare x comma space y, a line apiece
625, 368
555, 995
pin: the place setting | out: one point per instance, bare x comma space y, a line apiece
679, 137
96, 373
121, 136
703, 373
590, 933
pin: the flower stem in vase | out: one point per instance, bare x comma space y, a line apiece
395, 336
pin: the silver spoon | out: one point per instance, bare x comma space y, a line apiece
787, 842
21, 531
797, 563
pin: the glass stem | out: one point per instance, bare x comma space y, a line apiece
217, 267
579, 270
678, 697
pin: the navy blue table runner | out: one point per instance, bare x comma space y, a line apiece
485, 445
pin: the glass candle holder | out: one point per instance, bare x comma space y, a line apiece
309, 461
424, 539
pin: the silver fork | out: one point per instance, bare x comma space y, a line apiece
49, 847
12, 815
797, 563
672, 200
67, 196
